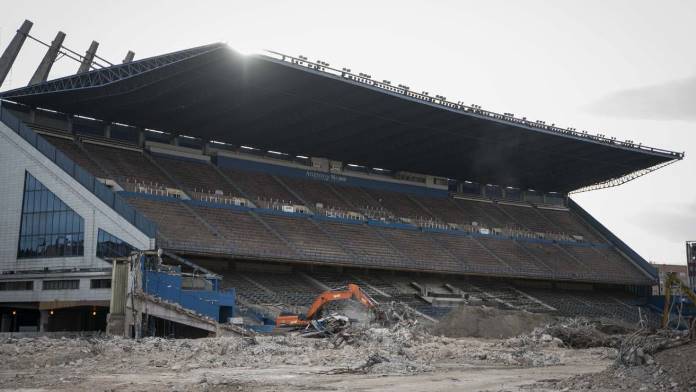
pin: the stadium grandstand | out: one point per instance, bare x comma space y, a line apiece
288, 177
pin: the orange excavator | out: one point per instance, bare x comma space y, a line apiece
353, 291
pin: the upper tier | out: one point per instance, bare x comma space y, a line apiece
372, 225
228, 179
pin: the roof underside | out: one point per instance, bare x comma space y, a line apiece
215, 93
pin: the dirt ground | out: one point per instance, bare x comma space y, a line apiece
289, 363
488, 322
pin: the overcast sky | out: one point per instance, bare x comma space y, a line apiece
623, 68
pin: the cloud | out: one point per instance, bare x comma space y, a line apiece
670, 221
673, 100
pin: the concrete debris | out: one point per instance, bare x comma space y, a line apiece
584, 333
404, 348
395, 312
372, 360
644, 360
341, 347
672, 369
638, 348
341, 330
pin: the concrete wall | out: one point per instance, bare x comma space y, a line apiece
84, 293
16, 157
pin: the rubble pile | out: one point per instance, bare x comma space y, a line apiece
394, 342
581, 333
404, 348
638, 348
342, 330
333, 346
645, 361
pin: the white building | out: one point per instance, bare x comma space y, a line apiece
53, 230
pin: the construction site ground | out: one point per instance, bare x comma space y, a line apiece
502, 353
283, 363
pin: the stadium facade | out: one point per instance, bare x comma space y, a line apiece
282, 174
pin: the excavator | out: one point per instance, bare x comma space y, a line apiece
671, 280
352, 291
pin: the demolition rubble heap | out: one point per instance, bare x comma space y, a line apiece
333, 349
645, 361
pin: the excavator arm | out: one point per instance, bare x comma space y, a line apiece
353, 291
672, 280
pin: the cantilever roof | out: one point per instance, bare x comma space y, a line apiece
281, 103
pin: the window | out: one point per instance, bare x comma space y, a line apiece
26, 285
100, 283
109, 245
71, 284
49, 227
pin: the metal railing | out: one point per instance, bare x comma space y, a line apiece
81, 175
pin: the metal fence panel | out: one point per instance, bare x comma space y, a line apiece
27, 134
64, 162
124, 209
83, 177
46, 148
145, 225
104, 193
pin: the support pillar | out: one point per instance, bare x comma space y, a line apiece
89, 58
141, 137
5, 322
10, 54
42, 71
43, 320
174, 140
107, 130
70, 126
116, 319
129, 57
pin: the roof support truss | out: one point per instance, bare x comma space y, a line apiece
623, 179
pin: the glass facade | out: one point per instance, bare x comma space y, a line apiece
49, 227
109, 245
